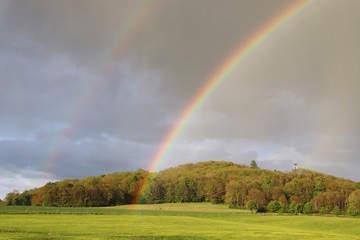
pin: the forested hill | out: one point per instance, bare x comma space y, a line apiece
214, 181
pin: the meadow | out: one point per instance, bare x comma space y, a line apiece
168, 221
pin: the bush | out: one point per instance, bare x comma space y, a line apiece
352, 211
323, 211
251, 205
295, 208
292, 208
274, 206
308, 208
337, 211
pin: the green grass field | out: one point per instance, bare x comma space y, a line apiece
168, 221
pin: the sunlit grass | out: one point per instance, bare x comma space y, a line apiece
183, 207
171, 221
134, 209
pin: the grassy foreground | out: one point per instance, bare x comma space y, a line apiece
167, 221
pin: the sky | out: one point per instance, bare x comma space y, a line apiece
92, 87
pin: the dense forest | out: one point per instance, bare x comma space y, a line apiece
239, 186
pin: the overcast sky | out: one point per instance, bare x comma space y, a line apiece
91, 87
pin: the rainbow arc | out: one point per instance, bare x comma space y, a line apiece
225, 69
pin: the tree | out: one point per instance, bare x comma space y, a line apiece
327, 200
319, 185
12, 198
235, 194
213, 181
354, 199
156, 192
169, 195
253, 165
185, 190
24, 199
258, 197
215, 188
279, 195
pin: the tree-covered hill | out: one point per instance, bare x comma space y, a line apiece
239, 186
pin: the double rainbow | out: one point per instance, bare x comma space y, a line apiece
218, 76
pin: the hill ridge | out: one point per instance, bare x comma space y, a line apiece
238, 185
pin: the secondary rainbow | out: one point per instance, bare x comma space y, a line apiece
221, 73
137, 17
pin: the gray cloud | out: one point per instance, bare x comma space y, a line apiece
89, 87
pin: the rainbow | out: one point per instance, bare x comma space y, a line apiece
222, 73
137, 16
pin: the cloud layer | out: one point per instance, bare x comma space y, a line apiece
89, 87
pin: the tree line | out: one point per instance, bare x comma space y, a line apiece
239, 186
